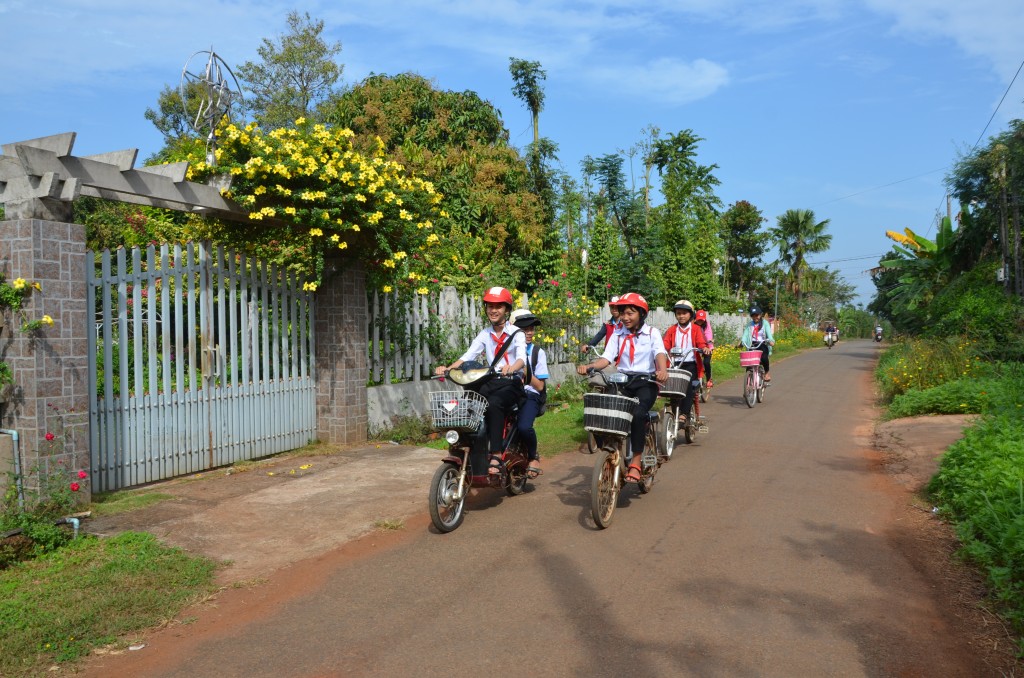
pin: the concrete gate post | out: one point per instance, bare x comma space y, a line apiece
49, 366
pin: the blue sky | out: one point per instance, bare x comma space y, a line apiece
852, 108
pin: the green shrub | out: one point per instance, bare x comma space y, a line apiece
991, 394
923, 363
977, 306
980, 485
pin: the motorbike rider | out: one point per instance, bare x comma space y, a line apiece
636, 349
831, 329
502, 394
535, 385
757, 330
878, 332
704, 323
606, 330
689, 336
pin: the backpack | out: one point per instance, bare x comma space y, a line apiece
531, 367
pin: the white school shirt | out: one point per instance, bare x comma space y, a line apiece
542, 364
485, 343
647, 343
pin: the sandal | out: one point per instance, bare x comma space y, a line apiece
495, 465
633, 475
532, 471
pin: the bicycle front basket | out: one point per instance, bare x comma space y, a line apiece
678, 383
459, 410
750, 358
605, 413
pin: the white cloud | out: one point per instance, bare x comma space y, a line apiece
666, 80
989, 29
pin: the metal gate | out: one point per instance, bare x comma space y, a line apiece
200, 357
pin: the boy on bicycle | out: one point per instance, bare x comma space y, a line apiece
502, 394
637, 350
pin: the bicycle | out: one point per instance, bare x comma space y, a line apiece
679, 381
610, 414
753, 382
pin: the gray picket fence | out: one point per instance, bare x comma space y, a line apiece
201, 357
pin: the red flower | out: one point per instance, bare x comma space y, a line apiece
83, 474
433, 280
609, 286
75, 487
569, 294
563, 275
555, 283
50, 436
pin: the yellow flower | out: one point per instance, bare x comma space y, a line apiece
399, 256
335, 238
315, 231
360, 197
309, 286
259, 190
47, 320
37, 286
389, 263
387, 288
289, 210
342, 245
19, 284
422, 290
299, 120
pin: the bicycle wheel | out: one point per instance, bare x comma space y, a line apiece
704, 389
668, 431
691, 422
648, 470
749, 390
761, 384
604, 488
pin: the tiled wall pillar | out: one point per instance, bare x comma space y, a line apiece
50, 365
342, 366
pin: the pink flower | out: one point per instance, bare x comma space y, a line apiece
50, 436
569, 294
555, 283
563, 275
83, 474
75, 487
433, 280
608, 286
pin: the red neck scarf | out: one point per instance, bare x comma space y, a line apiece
497, 344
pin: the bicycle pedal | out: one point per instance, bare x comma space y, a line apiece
702, 429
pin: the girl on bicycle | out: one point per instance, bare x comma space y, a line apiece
687, 335
536, 386
704, 323
502, 394
638, 350
758, 331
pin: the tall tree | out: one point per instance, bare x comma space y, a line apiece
687, 225
797, 234
744, 243
293, 75
527, 77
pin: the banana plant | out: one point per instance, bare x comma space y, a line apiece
925, 265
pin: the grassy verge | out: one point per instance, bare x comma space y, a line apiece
980, 483
59, 607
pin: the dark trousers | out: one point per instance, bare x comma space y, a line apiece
707, 367
502, 396
764, 357
527, 413
647, 392
691, 391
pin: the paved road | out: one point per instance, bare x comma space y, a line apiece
764, 549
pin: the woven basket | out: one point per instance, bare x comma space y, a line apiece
604, 413
678, 383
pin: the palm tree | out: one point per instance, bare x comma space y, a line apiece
797, 235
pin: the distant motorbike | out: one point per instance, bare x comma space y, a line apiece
878, 334
460, 414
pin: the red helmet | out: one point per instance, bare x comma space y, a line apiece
498, 295
633, 299
702, 315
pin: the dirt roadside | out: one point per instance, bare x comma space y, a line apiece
285, 511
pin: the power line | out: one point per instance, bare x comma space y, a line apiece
992, 117
875, 188
836, 261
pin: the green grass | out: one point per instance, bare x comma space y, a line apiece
59, 607
112, 503
980, 483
